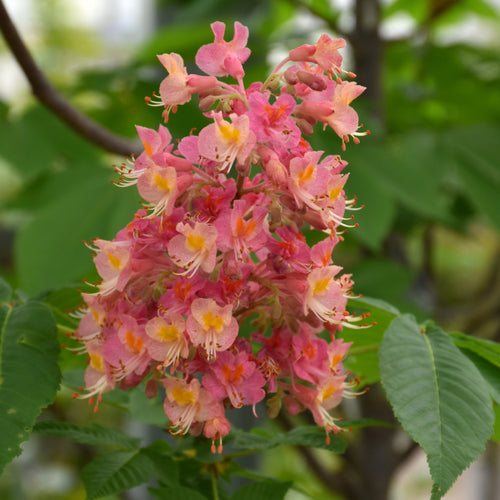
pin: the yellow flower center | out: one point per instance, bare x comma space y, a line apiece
114, 261
183, 396
334, 193
211, 321
168, 333
195, 241
327, 393
161, 182
96, 362
230, 135
321, 285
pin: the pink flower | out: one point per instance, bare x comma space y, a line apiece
311, 356
167, 341
226, 142
243, 229
112, 263
125, 350
194, 247
325, 297
321, 399
307, 179
187, 404
159, 186
233, 375
272, 123
98, 374
178, 86
222, 58
324, 53
336, 112
211, 326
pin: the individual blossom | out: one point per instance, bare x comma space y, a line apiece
324, 53
113, 264
243, 229
222, 58
167, 341
186, 404
235, 376
273, 123
325, 298
195, 247
225, 142
211, 326
178, 86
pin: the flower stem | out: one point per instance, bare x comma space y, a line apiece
213, 477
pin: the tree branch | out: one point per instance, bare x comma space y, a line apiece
44, 91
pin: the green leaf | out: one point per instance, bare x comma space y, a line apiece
93, 434
437, 394
477, 165
61, 302
416, 10
29, 373
496, 428
176, 492
167, 468
311, 436
490, 373
275, 490
115, 472
487, 349
362, 358
146, 410
91, 209
5, 291
408, 168
377, 216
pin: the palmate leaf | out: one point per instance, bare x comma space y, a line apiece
176, 492
362, 357
439, 397
93, 434
29, 373
122, 470
115, 472
275, 490
311, 436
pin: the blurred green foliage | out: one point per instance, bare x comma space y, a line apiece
428, 176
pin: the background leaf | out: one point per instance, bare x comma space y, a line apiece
93, 208
5, 291
93, 434
116, 472
437, 394
176, 492
311, 436
362, 358
275, 490
29, 374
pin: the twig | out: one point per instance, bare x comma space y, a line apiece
44, 91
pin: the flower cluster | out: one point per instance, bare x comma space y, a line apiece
212, 291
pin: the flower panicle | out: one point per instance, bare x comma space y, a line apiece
216, 251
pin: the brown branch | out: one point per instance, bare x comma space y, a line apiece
44, 91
